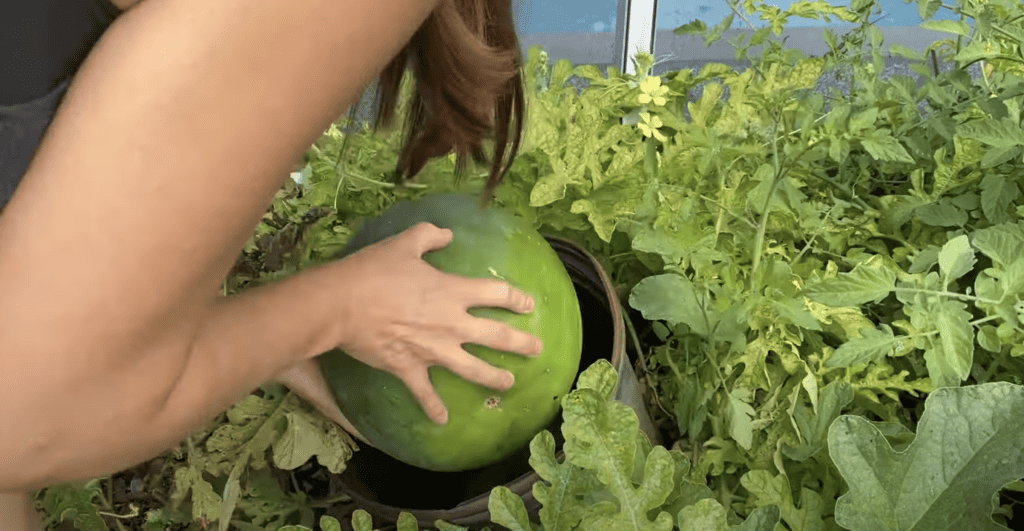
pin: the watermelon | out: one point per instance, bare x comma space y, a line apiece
484, 425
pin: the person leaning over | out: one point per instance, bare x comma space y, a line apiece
161, 154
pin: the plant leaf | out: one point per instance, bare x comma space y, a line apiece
997, 194
307, 435
966, 449
761, 519
740, 415
705, 515
74, 502
507, 509
956, 259
870, 281
407, 522
886, 148
873, 345
560, 509
671, 298
601, 435
950, 357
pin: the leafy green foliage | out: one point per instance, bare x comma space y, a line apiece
967, 448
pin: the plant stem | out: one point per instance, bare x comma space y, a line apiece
763, 225
945, 293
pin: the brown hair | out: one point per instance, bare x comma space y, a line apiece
466, 62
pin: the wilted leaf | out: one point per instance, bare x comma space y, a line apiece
308, 435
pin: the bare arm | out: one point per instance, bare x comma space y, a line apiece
171, 142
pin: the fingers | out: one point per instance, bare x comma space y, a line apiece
500, 336
484, 292
419, 384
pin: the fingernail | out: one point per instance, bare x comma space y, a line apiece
511, 379
443, 417
538, 347
530, 303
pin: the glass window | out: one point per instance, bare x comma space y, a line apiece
582, 31
675, 13
898, 22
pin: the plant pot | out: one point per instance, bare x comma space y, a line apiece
385, 487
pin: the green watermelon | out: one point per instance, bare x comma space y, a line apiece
484, 425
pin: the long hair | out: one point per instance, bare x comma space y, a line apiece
466, 61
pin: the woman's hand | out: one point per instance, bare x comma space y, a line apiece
403, 315
306, 380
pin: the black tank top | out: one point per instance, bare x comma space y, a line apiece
42, 45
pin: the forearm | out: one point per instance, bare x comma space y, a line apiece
90, 423
161, 160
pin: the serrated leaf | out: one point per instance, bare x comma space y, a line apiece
927, 8
602, 435
967, 448
74, 503
306, 436
870, 281
886, 148
941, 215
873, 345
600, 376
761, 519
774, 490
508, 510
996, 133
997, 194
1004, 244
955, 27
988, 339
705, 515
205, 502
956, 259
950, 357
814, 428
697, 27
740, 415
560, 509
672, 298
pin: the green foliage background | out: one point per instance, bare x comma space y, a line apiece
835, 280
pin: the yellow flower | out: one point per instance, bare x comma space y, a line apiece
649, 126
652, 91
